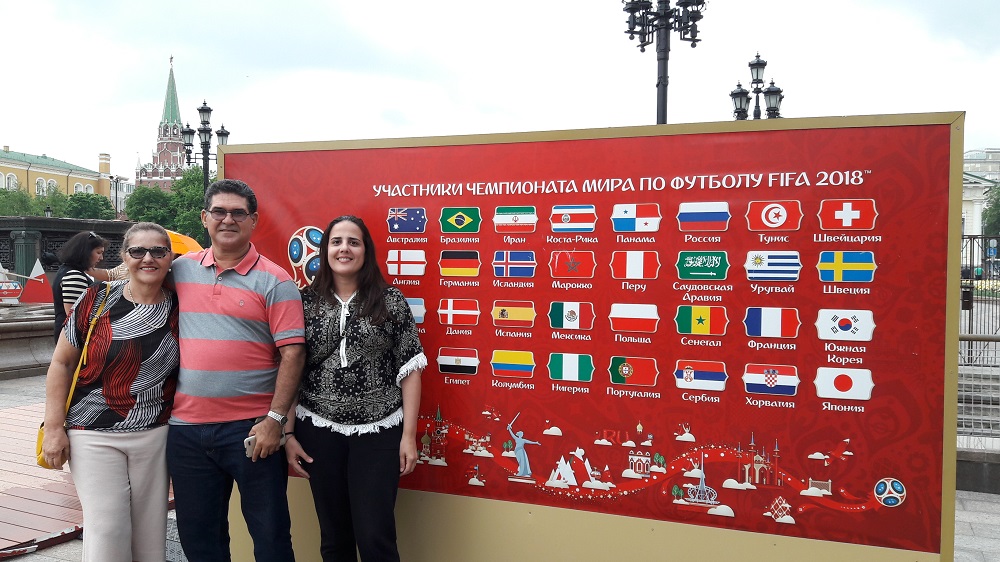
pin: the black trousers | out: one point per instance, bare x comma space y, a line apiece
354, 480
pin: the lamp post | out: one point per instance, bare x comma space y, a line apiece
772, 94
205, 136
646, 23
115, 182
48, 212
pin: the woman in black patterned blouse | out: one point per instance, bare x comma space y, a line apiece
360, 392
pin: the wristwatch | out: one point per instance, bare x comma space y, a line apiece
282, 420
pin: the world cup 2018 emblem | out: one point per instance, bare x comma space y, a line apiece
303, 254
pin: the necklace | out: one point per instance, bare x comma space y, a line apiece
153, 308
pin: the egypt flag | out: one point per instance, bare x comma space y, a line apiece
571, 315
406, 262
571, 367
417, 308
514, 263
634, 264
636, 217
513, 314
572, 265
772, 322
701, 375
847, 267
634, 317
777, 380
701, 320
635, 371
844, 384
520, 364
514, 220
458, 360
459, 263
573, 218
845, 325
847, 214
458, 312
765, 216
703, 216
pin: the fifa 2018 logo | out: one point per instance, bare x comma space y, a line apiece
303, 254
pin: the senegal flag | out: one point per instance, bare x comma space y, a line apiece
701, 320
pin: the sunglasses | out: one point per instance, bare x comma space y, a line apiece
239, 215
138, 252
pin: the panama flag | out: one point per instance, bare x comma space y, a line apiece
513, 314
417, 308
847, 267
773, 265
519, 263
458, 360
572, 265
634, 264
520, 364
636, 217
701, 320
514, 220
571, 315
408, 220
778, 380
774, 215
703, 216
406, 262
844, 384
459, 263
847, 214
634, 317
845, 325
635, 371
573, 218
571, 367
459, 312
771, 322
701, 375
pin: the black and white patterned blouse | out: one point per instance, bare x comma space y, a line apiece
353, 371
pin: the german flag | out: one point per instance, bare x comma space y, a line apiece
459, 263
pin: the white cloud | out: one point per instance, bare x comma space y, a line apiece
553, 431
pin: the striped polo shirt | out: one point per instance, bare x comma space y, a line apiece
232, 323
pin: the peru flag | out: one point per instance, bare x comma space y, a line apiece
635, 265
771, 322
847, 214
634, 317
774, 215
572, 265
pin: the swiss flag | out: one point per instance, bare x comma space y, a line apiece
847, 214
572, 265
774, 215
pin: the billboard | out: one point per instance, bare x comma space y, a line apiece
743, 329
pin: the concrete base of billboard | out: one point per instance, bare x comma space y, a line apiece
978, 471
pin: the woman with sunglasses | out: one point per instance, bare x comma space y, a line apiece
79, 255
114, 435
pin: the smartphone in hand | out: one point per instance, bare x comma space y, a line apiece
250, 442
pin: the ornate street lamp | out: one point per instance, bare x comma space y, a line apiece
772, 94
643, 21
48, 212
205, 136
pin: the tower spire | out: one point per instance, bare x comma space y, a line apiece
171, 108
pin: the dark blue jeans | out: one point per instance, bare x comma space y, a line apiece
204, 461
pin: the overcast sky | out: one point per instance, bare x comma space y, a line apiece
81, 78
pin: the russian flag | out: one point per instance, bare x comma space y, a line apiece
703, 216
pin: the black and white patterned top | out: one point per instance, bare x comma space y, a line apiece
353, 371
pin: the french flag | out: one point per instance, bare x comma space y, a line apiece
704, 216
772, 322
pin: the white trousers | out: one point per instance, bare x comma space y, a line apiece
121, 480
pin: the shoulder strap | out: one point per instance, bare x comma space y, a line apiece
86, 342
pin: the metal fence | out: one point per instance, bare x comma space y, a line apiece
979, 346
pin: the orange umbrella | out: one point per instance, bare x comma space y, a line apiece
182, 243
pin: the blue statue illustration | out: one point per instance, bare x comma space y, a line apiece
523, 466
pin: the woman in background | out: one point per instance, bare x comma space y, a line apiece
357, 407
114, 435
79, 254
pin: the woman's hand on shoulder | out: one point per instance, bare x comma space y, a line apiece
296, 455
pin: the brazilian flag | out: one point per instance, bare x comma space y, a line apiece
460, 219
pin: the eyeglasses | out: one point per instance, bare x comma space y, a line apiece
239, 215
138, 252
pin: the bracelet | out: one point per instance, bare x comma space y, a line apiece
289, 433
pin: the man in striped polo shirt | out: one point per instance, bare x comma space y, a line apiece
242, 341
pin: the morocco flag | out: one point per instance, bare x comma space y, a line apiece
572, 265
635, 371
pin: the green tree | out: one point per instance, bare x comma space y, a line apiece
55, 200
150, 204
677, 492
17, 203
89, 206
187, 198
991, 213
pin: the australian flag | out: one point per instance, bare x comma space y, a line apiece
408, 220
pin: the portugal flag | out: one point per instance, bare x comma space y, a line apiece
635, 371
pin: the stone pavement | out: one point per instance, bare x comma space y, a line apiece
977, 515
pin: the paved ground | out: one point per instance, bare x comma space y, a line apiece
977, 515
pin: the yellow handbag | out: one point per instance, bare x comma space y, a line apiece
76, 375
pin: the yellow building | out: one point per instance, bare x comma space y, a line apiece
41, 175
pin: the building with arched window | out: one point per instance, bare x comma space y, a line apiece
41, 175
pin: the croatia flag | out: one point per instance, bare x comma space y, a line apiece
633, 264
458, 312
573, 218
636, 217
778, 380
701, 375
703, 216
772, 322
634, 317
